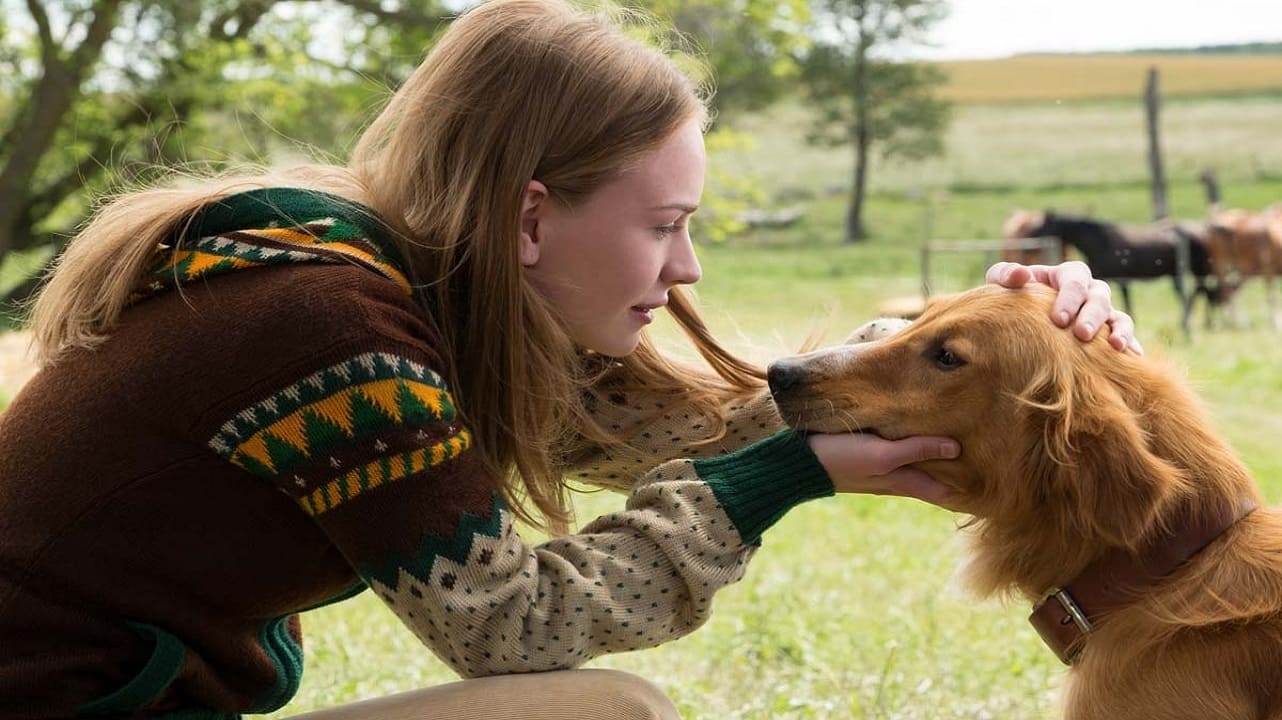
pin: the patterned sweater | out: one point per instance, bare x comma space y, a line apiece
274, 435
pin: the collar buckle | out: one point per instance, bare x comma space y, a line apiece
1062, 623
1073, 610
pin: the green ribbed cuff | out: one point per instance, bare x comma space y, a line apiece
758, 484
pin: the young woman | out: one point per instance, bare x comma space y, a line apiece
261, 395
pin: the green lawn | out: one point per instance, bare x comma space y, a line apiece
851, 610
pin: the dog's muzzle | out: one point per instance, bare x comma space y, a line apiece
785, 378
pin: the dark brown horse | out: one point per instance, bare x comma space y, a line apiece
1122, 253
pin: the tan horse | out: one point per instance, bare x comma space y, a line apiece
1244, 245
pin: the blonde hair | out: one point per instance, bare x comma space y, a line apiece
514, 90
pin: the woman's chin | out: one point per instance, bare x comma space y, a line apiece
616, 347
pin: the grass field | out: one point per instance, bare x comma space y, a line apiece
850, 610
1034, 147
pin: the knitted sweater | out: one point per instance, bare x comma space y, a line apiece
274, 435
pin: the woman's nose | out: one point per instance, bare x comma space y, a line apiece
682, 267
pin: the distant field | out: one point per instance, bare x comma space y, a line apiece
1077, 77
1036, 145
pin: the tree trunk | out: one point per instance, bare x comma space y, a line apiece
1152, 101
855, 212
51, 99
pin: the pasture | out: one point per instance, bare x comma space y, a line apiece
850, 611
1067, 78
1028, 150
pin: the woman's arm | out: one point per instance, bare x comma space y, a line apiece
366, 438
656, 428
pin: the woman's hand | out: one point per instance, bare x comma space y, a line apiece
864, 463
1083, 301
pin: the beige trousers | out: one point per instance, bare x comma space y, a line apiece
563, 695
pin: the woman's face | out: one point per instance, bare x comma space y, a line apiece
607, 264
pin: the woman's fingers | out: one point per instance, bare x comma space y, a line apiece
1082, 301
1092, 311
917, 484
1122, 336
1009, 275
863, 463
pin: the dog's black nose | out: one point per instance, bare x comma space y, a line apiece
784, 376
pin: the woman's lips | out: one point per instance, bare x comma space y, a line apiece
645, 312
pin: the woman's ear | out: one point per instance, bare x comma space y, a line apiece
533, 206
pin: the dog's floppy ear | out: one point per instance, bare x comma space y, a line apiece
1093, 461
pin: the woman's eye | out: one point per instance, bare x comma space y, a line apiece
669, 229
947, 359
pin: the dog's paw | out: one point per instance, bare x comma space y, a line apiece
877, 329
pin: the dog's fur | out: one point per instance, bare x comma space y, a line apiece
1070, 449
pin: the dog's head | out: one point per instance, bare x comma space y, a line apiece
1056, 446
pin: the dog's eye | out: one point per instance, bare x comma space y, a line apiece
946, 359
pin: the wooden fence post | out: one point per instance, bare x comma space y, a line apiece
1152, 99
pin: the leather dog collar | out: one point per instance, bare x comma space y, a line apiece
1065, 616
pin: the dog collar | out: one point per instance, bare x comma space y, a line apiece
1065, 616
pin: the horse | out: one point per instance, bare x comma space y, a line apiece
1017, 230
1245, 244
1121, 253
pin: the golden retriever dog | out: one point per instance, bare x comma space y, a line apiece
1096, 489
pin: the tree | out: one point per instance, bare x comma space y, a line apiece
96, 93
866, 101
103, 94
750, 45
